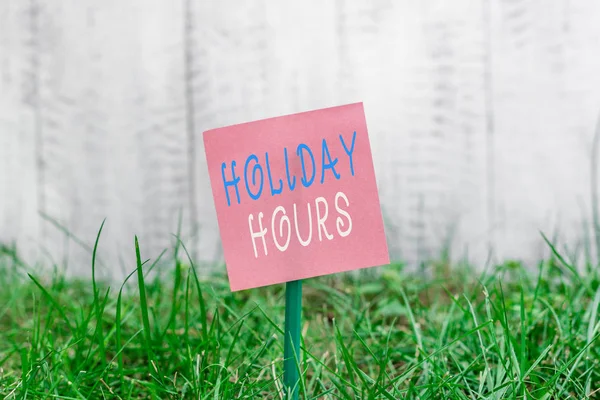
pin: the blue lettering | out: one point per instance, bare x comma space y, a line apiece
349, 152
330, 164
292, 183
273, 190
234, 182
306, 182
256, 168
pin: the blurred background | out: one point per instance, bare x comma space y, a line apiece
481, 115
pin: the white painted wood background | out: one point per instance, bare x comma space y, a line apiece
481, 115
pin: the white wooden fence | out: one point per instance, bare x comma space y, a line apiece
481, 114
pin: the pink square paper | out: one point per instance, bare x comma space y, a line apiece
296, 196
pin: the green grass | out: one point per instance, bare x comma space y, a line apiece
380, 334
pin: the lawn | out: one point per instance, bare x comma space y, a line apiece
511, 331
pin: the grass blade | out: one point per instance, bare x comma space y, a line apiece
143, 304
99, 314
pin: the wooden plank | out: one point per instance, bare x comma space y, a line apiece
543, 164
18, 167
114, 128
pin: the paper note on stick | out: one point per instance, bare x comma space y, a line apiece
296, 196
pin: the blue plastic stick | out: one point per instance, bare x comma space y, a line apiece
291, 349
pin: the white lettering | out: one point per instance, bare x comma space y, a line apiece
339, 222
285, 219
260, 234
321, 221
302, 242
